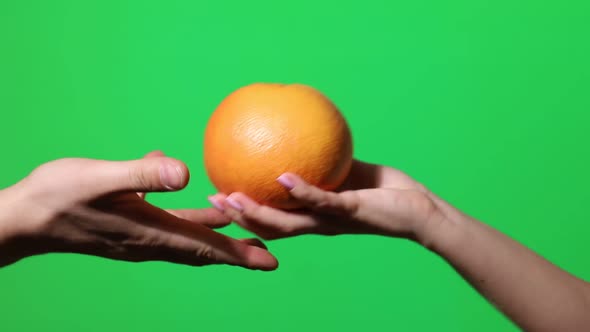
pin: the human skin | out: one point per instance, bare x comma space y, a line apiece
535, 294
97, 207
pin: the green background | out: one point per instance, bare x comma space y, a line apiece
486, 102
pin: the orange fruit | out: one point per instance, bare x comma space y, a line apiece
262, 130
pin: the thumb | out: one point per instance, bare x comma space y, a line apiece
143, 175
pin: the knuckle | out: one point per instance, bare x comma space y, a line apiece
287, 228
149, 241
322, 204
139, 178
206, 253
251, 213
236, 216
350, 202
304, 194
315, 199
256, 214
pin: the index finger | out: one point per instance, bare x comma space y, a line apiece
163, 236
317, 199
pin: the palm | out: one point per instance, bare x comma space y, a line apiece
391, 201
374, 199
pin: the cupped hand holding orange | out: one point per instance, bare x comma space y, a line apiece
272, 147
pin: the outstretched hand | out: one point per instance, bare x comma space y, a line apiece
374, 200
97, 207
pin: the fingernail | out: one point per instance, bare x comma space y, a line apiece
286, 182
171, 176
215, 203
235, 204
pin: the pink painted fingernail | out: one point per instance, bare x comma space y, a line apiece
235, 204
286, 181
215, 203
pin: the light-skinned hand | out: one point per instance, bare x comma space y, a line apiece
373, 200
97, 207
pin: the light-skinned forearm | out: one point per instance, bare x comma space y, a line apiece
535, 294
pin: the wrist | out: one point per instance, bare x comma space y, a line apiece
443, 228
16, 236
7, 223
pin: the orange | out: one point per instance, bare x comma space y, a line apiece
262, 130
